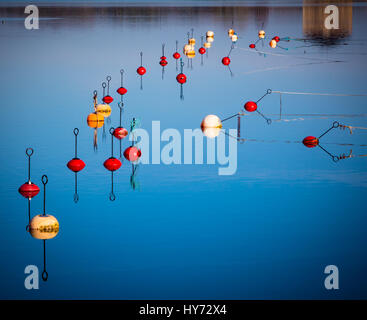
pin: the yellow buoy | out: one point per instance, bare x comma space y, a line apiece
207, 45
210, 34
234, 38
95, 120
191, 54
230, 32
187, 48
261, 34
273, 43
104, 110
192, 41
44, 227
211, 126
209, 39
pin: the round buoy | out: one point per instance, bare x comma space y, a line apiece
250, 106
230, 32
276, 38
107, 99
226, 61
202, 50
121, 91
120, 133
207, 45
163, 58
95, 120
163, 63
141, 70
176, 55
273, 43
210, 34
187, 48
252, 45
191, 54
211, 126
112, 164
132, 154
310, 142
209, 39
234, 38
29, 190
181, 78
44, 227
192, 41
104, 110
76, 164
261, 34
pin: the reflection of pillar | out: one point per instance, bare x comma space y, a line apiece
314, 19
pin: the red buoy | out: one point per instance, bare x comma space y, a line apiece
250, 106
121, 91
176, 55
181, 78
29, 190
276, 38
252, 45
141, 70
132, 153
107, 99
163, 63
202, 50
310, 141
163, 58
112, 164
76, 164
120, 133
226, 61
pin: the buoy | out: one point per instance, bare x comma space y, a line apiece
207, 45
191, 54
107, 99
234, 38
210, 34
163, 58
132, 154
181, 78
163, 63
121, 91
141, 70
176, 55
29, 189
276, 38
104, 110
120, 133
112, 164
187, 48
95, 120
44, 226
250, 106
252, 45
273, 43
261, 34
76, 164
202, 50
230, 32
192, 41
211, 126
226, 61
209, 39
310, 141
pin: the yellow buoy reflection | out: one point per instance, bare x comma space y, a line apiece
104, 110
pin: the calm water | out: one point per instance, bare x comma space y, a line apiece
185, 232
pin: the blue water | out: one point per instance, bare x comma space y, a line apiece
266, 232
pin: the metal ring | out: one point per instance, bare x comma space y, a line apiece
268, 121
120, 105
76, 197
76, 131
29, 152
112, 196
44, 179
108, 78
27, 228
336, 124
44, 275
112, 129
122, 71
95, 92
104, 85
335, 158
269, 91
